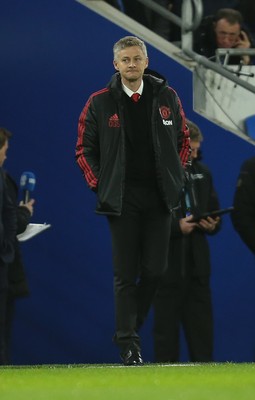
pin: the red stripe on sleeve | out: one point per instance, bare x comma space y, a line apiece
83, 163
185, 146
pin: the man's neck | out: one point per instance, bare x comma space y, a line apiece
129, 91
132, 85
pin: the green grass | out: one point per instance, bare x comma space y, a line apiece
179, 382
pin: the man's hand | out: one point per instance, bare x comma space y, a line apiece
29, 205
209, 224
243, 42
186, 226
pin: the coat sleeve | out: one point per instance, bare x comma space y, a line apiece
183, 134
23, 218
22, 212
243, 216
87, 146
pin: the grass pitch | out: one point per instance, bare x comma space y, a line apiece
114, 382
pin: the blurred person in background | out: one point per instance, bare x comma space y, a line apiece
8, 228
17, 283
243, 216
223, 30
183, 299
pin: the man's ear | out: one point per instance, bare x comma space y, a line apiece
115, 64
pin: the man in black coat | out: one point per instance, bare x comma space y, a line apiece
132, 148
243, 216
184, 296
7, 240
16, 283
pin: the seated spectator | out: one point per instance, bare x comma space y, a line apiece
224, 30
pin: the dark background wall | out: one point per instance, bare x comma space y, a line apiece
54, 53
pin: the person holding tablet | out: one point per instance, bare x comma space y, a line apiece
184, 296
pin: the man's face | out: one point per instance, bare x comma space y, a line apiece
195, 146
3, 152
131, 63
227, 35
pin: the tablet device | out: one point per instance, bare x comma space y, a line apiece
213, 214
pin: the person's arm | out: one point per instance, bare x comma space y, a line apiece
244, 42
24, 213
183, 135
87, 147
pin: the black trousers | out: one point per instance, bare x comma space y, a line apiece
140, 242
185, 303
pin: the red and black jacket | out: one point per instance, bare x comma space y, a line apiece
100, 149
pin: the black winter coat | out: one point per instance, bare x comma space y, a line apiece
8, 223
100, 150
243, 216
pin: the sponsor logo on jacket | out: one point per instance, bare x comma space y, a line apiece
165, 113
114, 121
197, 176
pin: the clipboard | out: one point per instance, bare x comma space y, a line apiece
32, 230
213, 214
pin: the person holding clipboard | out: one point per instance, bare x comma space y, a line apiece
184, 296
16, 285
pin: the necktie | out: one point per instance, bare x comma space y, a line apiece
135, 97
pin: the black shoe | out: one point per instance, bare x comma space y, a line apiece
132, 357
